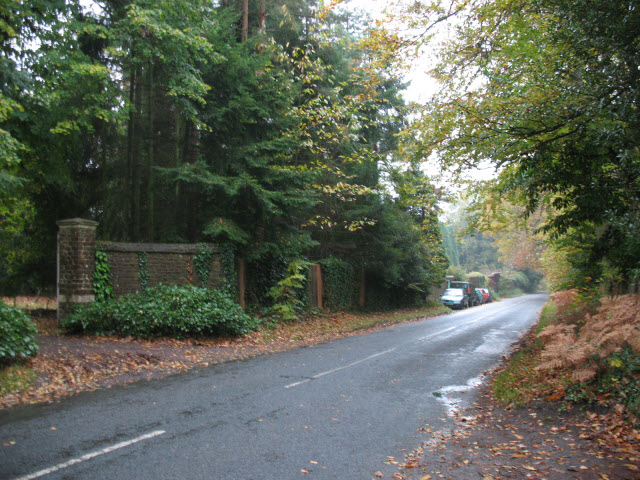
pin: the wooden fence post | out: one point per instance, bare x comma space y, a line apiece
363, 288
242, 282
315, 285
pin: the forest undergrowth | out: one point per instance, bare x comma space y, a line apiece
585, 354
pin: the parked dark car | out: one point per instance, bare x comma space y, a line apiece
469, 293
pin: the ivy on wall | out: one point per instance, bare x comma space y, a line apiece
339, 283
143, 272
202, 260
102, 287
229, 267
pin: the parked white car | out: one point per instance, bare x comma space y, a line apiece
455, 298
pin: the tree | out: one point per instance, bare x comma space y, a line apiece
548, 91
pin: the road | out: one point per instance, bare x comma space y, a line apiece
336, 410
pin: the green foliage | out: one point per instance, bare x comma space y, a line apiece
339, 283
458, 273
202, 259
524, 280
163, 311
406, 260
548, 90
482, 279
18, 335
450, 245
169, 123
229, 267
288, 294
102, 286
519, 280
143, 270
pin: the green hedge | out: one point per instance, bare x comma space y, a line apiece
163, 311
339, 285
18, 335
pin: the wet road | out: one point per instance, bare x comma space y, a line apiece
337, 410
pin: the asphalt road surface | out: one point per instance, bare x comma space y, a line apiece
332, 411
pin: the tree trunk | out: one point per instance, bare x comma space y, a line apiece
136, 168
150, 227
262, 16
245, 20
129, 180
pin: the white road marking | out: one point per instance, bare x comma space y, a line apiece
91, 455
477, 319
340, 368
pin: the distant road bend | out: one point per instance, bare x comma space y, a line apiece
333, 411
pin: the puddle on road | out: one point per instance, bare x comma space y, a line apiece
493, 343
452, 397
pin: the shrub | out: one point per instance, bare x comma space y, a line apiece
287, 294
458, 273
164, 311
18, 335
482, 278
584, 345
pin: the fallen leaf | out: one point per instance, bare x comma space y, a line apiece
303, 470
528, 467
378, 474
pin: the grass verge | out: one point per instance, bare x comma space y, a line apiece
519, 382
16, 378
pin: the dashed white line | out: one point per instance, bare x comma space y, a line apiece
337, 369
91, 455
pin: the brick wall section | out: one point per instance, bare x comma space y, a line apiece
76, 261
168, 264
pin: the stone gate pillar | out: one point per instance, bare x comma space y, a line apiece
76, 262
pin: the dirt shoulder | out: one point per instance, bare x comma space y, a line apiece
536, 442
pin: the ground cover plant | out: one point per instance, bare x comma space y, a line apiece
163, 311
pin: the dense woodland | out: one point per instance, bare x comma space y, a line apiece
267, 125
279, 128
